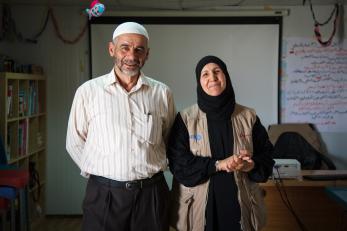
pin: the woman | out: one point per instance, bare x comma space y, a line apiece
218, 151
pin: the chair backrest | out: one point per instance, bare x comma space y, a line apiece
306, 130
300, 142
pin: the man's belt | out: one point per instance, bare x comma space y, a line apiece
135, 184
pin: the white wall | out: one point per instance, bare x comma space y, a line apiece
66, 67
300, 24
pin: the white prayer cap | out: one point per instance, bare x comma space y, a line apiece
130, 28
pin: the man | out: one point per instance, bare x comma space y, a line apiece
117, 130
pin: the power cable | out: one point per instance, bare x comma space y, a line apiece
284, 197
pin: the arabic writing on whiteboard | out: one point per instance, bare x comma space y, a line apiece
314, 84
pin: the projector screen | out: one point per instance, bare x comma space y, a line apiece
250, 46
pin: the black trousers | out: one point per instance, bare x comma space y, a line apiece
107, 208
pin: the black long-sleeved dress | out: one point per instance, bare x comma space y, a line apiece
222, 210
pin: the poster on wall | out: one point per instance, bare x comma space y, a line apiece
314, 84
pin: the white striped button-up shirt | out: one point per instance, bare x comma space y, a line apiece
118, 134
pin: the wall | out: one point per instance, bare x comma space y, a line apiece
300, 24
66, 67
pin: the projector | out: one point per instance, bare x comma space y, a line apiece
286, 168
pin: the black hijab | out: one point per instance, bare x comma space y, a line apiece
216, 107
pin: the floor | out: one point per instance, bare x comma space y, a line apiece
58, 223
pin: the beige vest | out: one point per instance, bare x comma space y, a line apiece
188, 203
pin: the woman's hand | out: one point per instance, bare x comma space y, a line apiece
242, 162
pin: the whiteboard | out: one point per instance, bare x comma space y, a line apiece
314, 84
250, 50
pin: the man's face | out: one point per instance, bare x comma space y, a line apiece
130, 52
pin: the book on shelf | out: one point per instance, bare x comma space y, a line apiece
33, 98
9, 99
22, 103
23, 137
8, 147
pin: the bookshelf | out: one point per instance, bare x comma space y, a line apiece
23, 128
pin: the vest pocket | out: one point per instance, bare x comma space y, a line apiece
258, 208
181, 207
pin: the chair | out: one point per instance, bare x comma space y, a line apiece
301, 142
14, 182
3, 211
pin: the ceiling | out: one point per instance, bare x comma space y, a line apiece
174, 4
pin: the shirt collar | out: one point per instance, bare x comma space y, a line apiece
112, 79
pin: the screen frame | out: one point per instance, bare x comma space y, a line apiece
197, 20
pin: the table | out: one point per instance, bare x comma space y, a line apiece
339, 194
309, 200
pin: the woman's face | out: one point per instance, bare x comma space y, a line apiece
212, 79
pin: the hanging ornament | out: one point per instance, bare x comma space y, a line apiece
317, 25
96, 9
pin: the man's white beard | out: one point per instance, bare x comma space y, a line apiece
130, 73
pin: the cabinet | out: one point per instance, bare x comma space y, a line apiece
23, 129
